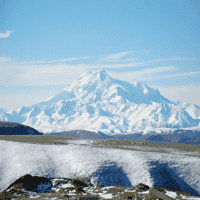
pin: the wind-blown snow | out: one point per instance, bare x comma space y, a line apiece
69, 161
98, 102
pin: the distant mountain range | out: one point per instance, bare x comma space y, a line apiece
98, 102
178, 137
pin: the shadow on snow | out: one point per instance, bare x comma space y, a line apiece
165, 176
110, 174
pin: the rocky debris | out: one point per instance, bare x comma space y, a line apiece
36, 187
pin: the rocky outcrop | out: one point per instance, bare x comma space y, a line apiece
13, 128
32, 183
141, 187
26, 184
29, 187
79, 185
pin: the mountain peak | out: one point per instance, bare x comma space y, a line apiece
96, 101
101, 74
101, 71
91, 77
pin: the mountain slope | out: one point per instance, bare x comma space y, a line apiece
10, 128
98, 102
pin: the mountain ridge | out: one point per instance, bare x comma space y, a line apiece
98, 102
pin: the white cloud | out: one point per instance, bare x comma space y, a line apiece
188, 93
48, 74
151, 74
147, 52
169, 59
145, 74
5, 60
57, 73
6, 34
52, 73
103, 66
39, 75
117, 56
26, 96
182, 74
57, 61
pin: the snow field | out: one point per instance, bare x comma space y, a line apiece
74, 160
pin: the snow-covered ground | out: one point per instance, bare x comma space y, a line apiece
104, 165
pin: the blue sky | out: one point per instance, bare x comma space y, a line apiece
45, 45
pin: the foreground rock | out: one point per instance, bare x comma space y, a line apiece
13, 128
35, 187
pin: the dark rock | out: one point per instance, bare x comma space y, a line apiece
87, 181
79, 185
141, 187
32, 183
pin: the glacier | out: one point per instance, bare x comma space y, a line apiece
98, 102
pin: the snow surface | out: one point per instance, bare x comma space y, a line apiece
98, 102
171, 194
78, 142
103, 165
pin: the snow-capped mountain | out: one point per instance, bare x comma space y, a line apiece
98, 102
